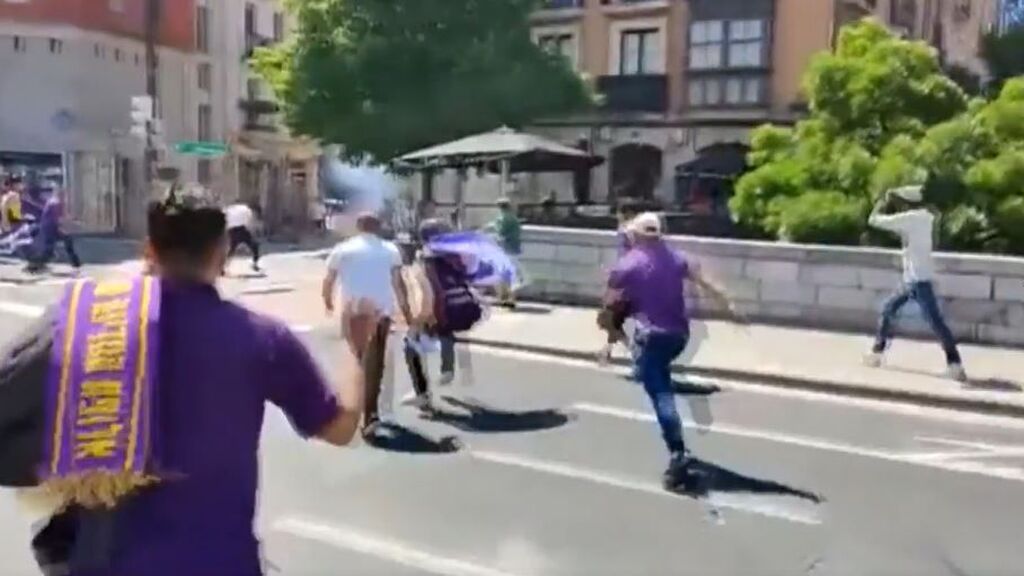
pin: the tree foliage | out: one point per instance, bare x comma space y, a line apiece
883, 114
383, 77
1004, 53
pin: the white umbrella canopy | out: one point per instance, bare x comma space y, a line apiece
522, 151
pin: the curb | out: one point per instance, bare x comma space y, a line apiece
825, 386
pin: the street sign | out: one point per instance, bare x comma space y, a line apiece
201, 149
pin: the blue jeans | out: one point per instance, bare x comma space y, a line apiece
657, 351
924, 294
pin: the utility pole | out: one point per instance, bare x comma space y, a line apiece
152, 31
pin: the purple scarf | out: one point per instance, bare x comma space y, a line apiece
101, 391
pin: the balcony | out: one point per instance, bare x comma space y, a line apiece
561, 4
258, 106
635, 6
647, 93
254, 41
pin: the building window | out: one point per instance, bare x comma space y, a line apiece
252, 89
202, 28
204, 122
117, 55
706, 92
250, 26
638, 52
204, 75
706, 42
99, 51
56, 46
138, 59
746, 44
560, 43
204, 169
278, 26
20, 44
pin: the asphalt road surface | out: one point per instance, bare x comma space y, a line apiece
542, 467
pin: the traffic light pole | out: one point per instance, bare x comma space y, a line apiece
152, 30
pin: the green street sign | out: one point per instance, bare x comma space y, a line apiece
202, 149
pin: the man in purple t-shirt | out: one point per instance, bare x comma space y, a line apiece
650, 280
220, 364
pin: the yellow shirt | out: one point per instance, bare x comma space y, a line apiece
11, 205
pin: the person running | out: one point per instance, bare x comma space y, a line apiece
509, 232
902, 212
651, 278
50, 233
368, 271
241, 222
448, 305
218, 366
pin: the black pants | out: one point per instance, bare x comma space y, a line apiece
48, 248
241, 235
420, 381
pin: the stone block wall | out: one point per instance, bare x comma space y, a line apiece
823, 287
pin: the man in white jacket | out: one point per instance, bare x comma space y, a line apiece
915, 224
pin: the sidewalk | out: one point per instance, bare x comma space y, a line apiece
789, 357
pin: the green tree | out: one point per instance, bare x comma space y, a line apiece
871, 102
384, 77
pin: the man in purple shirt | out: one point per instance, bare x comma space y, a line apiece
51, 232
650, 280
219, 366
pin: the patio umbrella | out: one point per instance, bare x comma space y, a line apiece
504, 149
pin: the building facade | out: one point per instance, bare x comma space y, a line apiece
68, 71
683, 82
265, 165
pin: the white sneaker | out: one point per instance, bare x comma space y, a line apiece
416, 401
873, 360
956, 372
446, 379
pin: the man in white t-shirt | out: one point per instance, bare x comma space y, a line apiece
241, 222
368, 270
915, 224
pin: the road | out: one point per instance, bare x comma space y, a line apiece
543, 467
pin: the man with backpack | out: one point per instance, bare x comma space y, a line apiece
448, 306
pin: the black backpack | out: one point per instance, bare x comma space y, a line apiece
456, 307
24, 367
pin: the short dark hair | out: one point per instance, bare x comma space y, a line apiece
185, 230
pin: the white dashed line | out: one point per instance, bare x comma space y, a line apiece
917, 459
24, 310
723, 501
385, 548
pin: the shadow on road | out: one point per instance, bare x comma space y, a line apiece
995, 385
398, 438
706, 477
480, 418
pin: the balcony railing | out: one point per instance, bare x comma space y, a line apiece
254, 41
635, 93
561, 4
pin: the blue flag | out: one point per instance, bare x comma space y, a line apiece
486, 263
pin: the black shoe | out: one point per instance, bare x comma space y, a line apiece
678, 472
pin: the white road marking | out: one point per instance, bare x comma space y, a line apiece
976, 450
946, 415
384, 548
748, 505
18, 309
1001, 472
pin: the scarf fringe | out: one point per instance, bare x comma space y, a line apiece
97, 489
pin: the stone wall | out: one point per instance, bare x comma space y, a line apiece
824, 287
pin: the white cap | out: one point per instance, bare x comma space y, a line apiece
908, 193
646, 224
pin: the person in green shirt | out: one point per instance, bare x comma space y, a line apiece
509, 232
